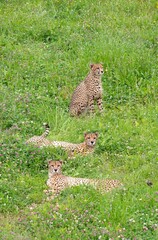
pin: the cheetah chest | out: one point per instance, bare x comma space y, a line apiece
81, 148
95, 89
58, 183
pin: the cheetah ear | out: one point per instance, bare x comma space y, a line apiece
97, 134
91, 66
61, 162
49, 162
85, 134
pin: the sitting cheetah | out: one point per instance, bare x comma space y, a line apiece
83, 148
57, 181
87, 91
40, 141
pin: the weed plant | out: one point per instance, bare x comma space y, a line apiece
45, 51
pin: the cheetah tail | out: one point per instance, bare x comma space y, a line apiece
47, 130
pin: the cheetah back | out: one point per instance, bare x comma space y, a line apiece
38, 141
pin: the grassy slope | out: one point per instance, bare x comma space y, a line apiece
45, 51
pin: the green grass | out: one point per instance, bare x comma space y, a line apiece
45, 51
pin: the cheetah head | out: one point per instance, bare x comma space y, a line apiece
97, 69
55, 167
90, 139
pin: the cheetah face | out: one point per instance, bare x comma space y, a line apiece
97, 69
55, 167
90, 139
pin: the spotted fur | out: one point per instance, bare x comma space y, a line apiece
40, 141
58, 182
87, 92
83, 148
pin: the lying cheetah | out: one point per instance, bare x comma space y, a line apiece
87, 91
83, 148
57, 181
40, 141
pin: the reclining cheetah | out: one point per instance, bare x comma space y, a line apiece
57, 181
87, 91
83, 148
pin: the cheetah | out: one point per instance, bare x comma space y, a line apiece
83, 148
87, 91
72, 149
58, 182
40, 141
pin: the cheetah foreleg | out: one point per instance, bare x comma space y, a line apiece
100, 104
91, 104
